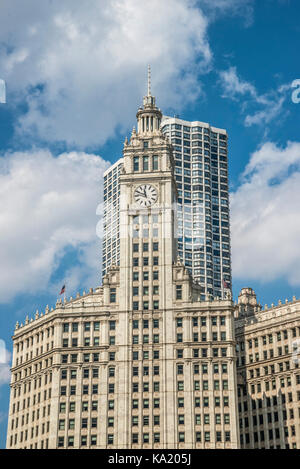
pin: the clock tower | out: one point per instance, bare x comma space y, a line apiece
147, 214
154, 289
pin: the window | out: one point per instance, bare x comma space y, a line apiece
94, 405
178, 292
111, 405
62, 407
61, 424
179, 322
71, 424
156, 403
180, 402
112, 295
135, 163
155, 246
145, 163
179, 337
135, 276
155, 163
112, 340
156, 386
135, 420
95, 389
93, 440
146, 403
180, 386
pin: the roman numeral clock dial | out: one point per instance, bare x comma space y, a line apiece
145, 195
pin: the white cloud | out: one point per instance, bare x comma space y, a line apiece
270, 105
48, 205
81, 66
2, 92
4, 370
243, 8
233, 86
3, 416
4, 374
265, 222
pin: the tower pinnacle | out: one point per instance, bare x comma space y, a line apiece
149, 80
149, 100
149, 116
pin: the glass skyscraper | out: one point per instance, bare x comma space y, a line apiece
111, 216
201, 171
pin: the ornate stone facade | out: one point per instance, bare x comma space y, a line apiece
268, 346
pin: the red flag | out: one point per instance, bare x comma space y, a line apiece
225, 285
63, 289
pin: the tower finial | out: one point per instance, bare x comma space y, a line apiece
149, 80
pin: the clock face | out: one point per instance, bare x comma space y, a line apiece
145, 195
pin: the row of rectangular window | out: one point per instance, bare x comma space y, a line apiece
87, 326
145, 263
203, 321
145, 439
86, 357
144, 163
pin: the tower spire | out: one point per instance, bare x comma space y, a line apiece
149, 100
149, 116
149, 80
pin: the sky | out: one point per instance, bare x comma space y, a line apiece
75, 74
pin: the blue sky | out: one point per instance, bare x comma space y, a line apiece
75, 74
